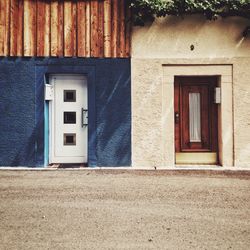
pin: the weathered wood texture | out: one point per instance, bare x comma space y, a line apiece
70, 28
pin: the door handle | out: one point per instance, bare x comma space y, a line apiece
176, 117
84, 117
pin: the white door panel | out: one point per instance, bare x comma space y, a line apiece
69, 135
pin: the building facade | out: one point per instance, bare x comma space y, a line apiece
65, 88
190, 92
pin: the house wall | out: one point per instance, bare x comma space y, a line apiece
22, 109
89, 28
167, 42
38, 38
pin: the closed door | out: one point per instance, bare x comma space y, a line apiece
69, 119
195, 120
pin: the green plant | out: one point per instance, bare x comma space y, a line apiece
147, 10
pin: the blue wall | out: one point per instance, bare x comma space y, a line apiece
22, 109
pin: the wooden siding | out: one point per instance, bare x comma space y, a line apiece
69, 28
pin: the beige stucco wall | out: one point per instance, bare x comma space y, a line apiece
166, 43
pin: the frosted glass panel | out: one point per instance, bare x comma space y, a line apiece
194, 117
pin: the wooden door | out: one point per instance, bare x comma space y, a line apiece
195, 120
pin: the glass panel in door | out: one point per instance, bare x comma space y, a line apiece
194, 117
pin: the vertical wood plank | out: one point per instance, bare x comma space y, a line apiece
60, 29
100, 28
7, 28
81, 28
47, 29
2, 26
19, 37
94, 29
115, 8
88, 26
57, 28
122, 36
13, 27
69, 28
74, 17
74, 20
40, 27
29, 28
54, 24
107, 28
128, 32
43, 28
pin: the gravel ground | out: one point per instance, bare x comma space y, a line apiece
108, 209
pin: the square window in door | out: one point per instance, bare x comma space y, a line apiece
69, 139
69, 117
69, 95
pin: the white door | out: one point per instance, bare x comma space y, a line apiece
69, 119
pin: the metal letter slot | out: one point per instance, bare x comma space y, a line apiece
84, 117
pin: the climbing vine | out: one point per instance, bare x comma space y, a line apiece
147, 10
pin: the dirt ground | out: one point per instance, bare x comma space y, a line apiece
110, 209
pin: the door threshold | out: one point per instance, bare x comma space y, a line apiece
196, 158
68, 165
198, 166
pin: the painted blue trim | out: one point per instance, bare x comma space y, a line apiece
46, 133
39, 114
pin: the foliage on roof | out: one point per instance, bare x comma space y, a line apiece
147, 10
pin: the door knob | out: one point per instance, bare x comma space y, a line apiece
176, 117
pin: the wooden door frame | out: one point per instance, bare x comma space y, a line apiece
224, 72
211, 82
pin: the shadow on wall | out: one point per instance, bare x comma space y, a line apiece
114, 122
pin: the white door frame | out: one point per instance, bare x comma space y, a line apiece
51, 117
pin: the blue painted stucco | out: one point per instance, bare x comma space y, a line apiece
22, 109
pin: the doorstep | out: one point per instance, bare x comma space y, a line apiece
129, 168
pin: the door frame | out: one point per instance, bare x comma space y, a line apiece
52, 115
89, 72
225, 110
196, 155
